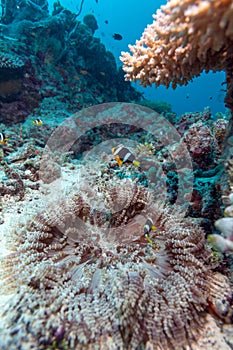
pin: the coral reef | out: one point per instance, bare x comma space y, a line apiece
205, 138
19, 93
202, 145
184, 39
14, 184
90, 22
20, 160
220, 129
11, 75
224, 241
54, 57
197, 129
158, 106
10, 62
86, 277
80, 270
31, 10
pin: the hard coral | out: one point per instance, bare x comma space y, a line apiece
11, 62
87, 277
202, 145
220, 129
90, 22
11, 74
19, 94
224, 241
185, 38
57, 51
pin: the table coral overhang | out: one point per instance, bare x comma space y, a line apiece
185, 38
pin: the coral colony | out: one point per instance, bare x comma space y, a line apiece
184, 39
116, 221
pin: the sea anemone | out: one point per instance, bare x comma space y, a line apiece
86, 277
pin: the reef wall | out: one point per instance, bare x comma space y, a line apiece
53, 56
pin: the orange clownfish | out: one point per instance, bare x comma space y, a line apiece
147, 228
124, 155
37, 122
3, 139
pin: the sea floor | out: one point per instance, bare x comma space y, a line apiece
216, 335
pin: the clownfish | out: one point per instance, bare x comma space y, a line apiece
147, 228
37, 122
124, 155
3, 139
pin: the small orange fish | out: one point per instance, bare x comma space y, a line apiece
3, 139
76, 77
83, 72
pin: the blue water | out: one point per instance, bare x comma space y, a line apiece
129, 18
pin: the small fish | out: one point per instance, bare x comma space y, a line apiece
103, 74
124, 155
37, 122
83, 71
106, 21
3, 139
148, 227
117, 36
76, 77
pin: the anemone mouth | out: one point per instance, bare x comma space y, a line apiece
137, 255
74, 246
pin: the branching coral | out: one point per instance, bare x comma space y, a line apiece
87, 277
185, 38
